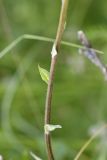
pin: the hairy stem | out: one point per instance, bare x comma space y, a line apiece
51, 78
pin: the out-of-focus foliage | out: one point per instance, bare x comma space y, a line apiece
79, 98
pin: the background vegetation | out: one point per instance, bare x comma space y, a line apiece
79, 99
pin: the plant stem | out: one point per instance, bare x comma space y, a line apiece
39, 38
51, 78
89, 141
5, 22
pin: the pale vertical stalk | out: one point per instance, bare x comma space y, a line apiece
89, 141
55, 50
5, 22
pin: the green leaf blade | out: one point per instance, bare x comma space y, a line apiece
44, 74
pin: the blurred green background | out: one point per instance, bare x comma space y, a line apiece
79, 98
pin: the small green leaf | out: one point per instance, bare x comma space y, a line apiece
50, 127
44, 74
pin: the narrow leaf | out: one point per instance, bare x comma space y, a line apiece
34, 156
44, 74
39, 38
